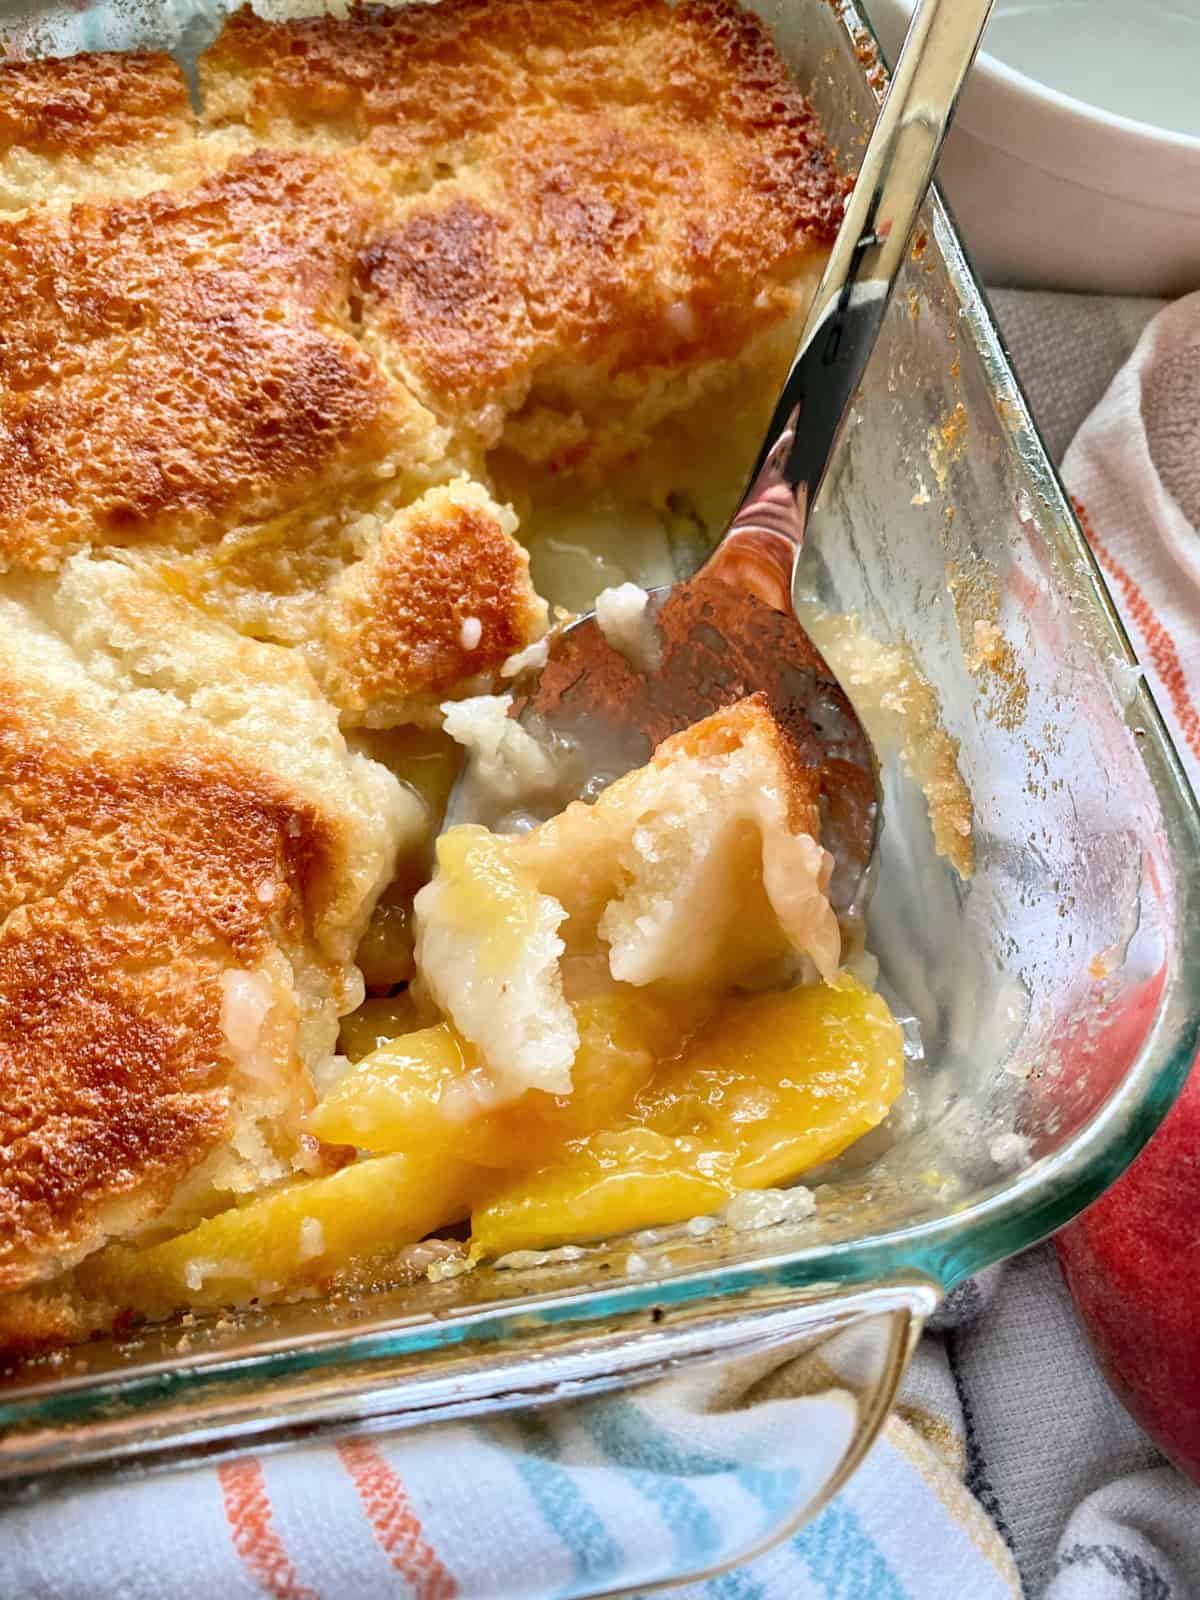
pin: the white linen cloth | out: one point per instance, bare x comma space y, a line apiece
1007, 1469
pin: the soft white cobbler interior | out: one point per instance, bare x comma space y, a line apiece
698, 873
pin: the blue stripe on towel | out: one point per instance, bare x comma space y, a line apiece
836, 1548
621, 1430
775, 1490
553, 1489
697, 1532
738, 1585
839, 1554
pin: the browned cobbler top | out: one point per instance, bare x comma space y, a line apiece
176, 364
580, 184
752, 718
79, 104
251, 359
396, 620
128, 883
427, 88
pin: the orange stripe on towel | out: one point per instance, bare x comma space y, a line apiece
395, 1524
1164, 654
255, 1537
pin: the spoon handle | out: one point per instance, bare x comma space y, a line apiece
763, 540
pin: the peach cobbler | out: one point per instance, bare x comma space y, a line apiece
320, 399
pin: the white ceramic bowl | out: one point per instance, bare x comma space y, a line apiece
1054, 176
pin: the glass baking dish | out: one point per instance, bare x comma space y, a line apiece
1057, 988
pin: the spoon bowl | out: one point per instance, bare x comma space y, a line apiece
717, 642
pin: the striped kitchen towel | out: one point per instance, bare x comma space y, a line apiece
1007, 1468
573, 1501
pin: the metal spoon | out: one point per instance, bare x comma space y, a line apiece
731, 629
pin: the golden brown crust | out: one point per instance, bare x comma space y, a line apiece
127, 886
38, 1320
416, 80
173, 364
603, 181
444, 289
443, 596
76, 105
378, 603
590, 262
750, 720
99, 1105
424, 82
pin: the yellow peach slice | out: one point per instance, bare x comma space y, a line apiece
282, 1242
774, 1085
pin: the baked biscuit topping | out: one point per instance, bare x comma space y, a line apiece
271, 373
175, 366
82, 104
424, 91
188, 855
581, 192
441, 598
102, 123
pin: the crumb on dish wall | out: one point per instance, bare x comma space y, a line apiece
900, 712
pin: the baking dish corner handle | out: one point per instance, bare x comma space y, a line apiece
838, 1357
848, 1352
